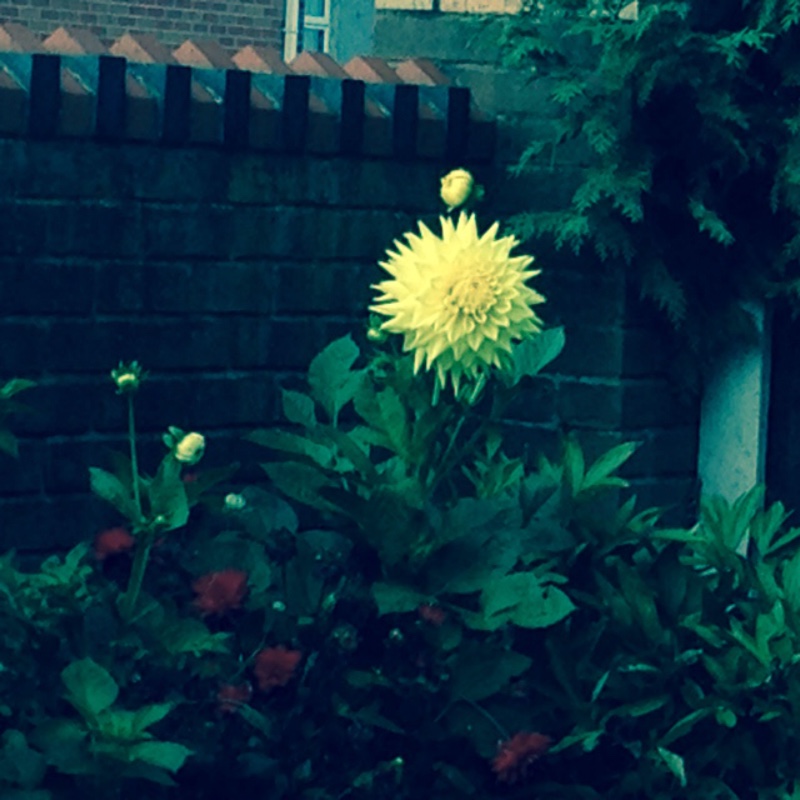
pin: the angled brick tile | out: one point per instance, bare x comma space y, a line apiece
421, 71
203, 53
255, 58
74, 41
17, 38
319, 64
371, 69
142, 47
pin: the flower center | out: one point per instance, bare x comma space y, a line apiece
472, 294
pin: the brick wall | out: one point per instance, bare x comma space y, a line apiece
224, 274
233, 23
223, 242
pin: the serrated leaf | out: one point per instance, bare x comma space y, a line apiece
330, 378
90, 687
166, 755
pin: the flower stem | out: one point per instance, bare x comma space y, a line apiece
134, 461
144, 539
140, 558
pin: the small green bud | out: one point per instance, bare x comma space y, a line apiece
127, 377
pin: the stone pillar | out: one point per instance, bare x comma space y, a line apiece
733, 423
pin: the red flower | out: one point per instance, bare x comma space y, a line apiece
231, 696
518, 753
111, 542
435, 615
219, 592
275, 666
190, 477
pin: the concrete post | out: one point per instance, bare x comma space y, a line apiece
733, 417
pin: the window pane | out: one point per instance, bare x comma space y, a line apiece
315, 8
314, 40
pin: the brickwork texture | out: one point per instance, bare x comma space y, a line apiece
224, 257
233, 23
224, 274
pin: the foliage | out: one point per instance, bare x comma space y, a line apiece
446, 598
687, 117
8, 406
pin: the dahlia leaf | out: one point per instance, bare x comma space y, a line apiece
90, 687
522, 599
301, 482
392, 598
111, 489
530, 357
298, 408
167, 494
332, 383
167, 755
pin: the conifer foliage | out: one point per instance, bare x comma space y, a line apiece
691, 113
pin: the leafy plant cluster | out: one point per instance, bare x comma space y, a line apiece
689, 113
447, 620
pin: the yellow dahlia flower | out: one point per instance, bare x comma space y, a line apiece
459, 300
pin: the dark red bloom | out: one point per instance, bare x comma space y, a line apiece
275, 666
111, 542
231, 696
218, 592
518, 753
435, 615
189, 477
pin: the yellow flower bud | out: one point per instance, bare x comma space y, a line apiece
127, 377
457, 188
189, 450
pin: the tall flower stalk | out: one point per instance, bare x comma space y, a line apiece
127, 378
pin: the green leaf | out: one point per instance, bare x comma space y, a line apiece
395, 599
598, 475
166, 755
531, 356
8, 443
90, 687
296, 444
298, 408
15, 386
301, 482
791, 581
332, 383
479, 672
146, 716
675, 764
521, 599
19, 763
111, 489
167, 495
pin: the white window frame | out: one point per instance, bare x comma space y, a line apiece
294, 27
320, 23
